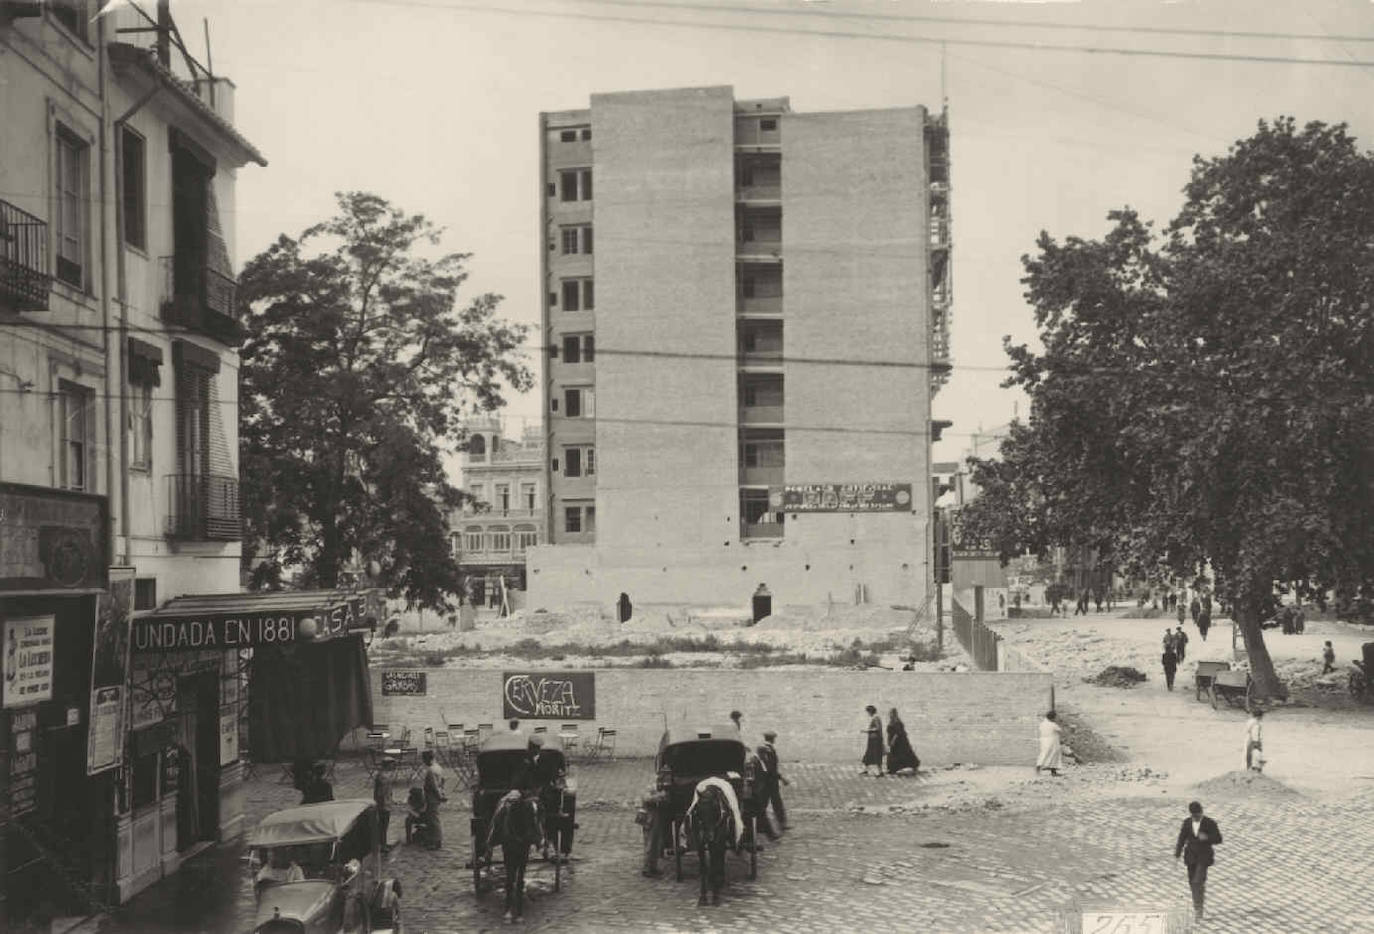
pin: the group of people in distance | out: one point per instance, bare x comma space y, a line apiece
901, 758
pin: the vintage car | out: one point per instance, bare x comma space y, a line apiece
318, 868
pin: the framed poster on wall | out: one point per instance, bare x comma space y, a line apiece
109, 714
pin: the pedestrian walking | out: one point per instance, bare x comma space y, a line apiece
434, 796
1195, 608
1182, 611
1328, 658
1051, 752
737, 719
773, 778
1254, 741
1181, 644
381, 796
1196, 838
1204, 622
873, 745
900, 755
1170, 642
1170, 661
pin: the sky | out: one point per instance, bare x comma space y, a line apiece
434, 104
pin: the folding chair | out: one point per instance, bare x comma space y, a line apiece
541, 729
471, 740
603, 745
570, 737
484, 730
430, 742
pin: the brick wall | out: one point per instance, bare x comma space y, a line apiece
983, 717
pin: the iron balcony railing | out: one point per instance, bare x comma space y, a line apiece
24, 278
203, 507
198, 297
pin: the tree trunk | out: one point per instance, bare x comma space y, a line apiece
1266, 680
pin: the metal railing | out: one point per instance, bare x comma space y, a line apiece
198, 297
24, 278
202, 507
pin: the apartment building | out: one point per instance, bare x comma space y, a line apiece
746, 314
118, 449
491, 536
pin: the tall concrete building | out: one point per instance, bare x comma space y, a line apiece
746, 313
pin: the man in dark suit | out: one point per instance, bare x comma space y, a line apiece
768, 755
1196, 838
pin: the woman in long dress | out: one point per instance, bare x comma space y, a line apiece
873, 750
1051, 756
900, 755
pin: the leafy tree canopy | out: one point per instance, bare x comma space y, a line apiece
359, 368
1204, 397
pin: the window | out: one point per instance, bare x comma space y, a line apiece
572, 519
145, 593
553, 404
586, 134
577, 239
572, 462
500, 540
133, 156
589, 519
579, 403
553, 464
472, 538
578, 348
478, 491
568, 136
578, 295
527, 495
553, 299
575, 184
587, 301
455, 544
503, 497
73, 15
525, 539
477, 447
70, 228
768, 124
764, 452
74, 412
141, 426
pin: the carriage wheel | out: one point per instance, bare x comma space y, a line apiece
677, 847
753, 847
558, 860
476, 865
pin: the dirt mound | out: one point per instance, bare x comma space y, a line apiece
1243, 782
1117, 676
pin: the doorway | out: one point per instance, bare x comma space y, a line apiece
197, 759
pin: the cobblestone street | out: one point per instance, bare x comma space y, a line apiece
996, 852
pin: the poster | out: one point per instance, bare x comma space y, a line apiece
550, 695
105, 739
110, 673
23, 763
228, 738
409, 683
28, 660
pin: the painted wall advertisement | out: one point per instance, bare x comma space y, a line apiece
549, 695
410, 683
109, 671
28, 660
844, 497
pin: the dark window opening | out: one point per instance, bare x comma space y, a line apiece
553, 464
768, 124
586, 240
134, 160
553, 299
73, 15
567, 185
572, 462
586, 184
553, 189
572, 519
568, 136
571, 295
587, 133
587, 295
589, 348
553, 404
572, 403
145, 593
572, 350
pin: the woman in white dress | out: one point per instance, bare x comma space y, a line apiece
1051, 756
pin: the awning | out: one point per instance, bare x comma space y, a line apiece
254, 620
144, 362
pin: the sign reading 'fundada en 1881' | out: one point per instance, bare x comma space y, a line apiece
845, 497
552, 695
242, 630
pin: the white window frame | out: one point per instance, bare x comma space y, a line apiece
473, 539
571, 515
71, 214
141, 427
586, 401
502, 490
74, 406
498, 540
529, 496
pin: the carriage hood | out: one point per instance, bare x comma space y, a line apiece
309, 823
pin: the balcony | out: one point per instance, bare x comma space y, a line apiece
203, 508
24, 279
759, 291
752, 530
759, 233
760, 415
197, 297
761, 476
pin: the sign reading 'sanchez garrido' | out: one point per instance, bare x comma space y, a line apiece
222, 629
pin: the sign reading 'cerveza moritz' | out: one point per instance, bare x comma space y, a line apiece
553, 695
241, 631
846, 497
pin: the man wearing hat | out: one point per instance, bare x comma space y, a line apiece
772, 778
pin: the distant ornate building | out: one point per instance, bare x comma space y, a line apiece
506, 478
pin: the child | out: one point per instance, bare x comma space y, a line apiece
415, 812
1329, 658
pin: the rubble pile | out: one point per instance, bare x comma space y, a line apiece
1117, 676
1241, 781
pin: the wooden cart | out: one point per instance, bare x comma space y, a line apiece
1206, 671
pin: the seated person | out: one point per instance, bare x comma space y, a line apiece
416, 812
280, 868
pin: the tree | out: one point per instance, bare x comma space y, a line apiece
1205, 398
357, 372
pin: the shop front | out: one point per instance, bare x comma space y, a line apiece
61, 633
211, 672
486, 584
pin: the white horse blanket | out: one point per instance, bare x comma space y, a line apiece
730, 799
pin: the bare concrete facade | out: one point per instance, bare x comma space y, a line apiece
762, 319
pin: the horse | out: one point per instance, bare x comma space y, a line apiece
711, 828
516, 828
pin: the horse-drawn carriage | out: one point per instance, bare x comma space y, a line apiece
695, 768
503, 765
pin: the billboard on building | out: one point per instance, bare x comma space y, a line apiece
845, 497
